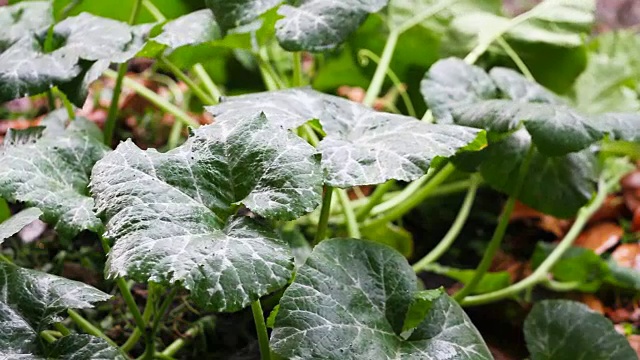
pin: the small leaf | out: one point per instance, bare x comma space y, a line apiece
17, 222
23, 18
52, 174
171, 213
27, 69
555, 185
83, 347
320, 25
420, 306
474, 101
561, 329
234, 13
350, 300
31, 300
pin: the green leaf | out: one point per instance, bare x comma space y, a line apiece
320, 25
490, 282
555, 22
350, 300
23, 18
623, 277
82, 42
555, 185
171, 213
5, 212
365, 147
391, 235
561, 329
17, 222
287, 108
362, 146
52, 174
231, 14
466, 95
83, 347
420, 306
620, 126
576, 265
31, 300
170, 9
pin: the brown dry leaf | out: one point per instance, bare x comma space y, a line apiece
632, 199
619, 315
612, 209
627, 255
358, 94
592, 302
506, 262
548, 223
635, 223
631, 181
600, 237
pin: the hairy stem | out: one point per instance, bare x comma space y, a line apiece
156, 99
455, 229
261, 328
325, 211
350, 217
197, 91
211, 87
541, 272
433, 181
500, 230
88, 327
110, 123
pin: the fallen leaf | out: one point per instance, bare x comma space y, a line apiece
634, 341
631, 181
592, 302
635, 223
548, 223
600, 237
627, 255
612, 209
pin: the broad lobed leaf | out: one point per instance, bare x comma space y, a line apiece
31, 300
171, 213
235, 13
52, 173
349, 301
21, 18
562, 329
362, 146
83, 47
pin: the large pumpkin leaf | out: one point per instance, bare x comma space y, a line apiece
17, 222
234, 13
23, 18
362, 146
81, 42
350, 300
561, 329
31, 300
52, 173
556, 185
466, 95
619, 126
320, 25
171, 213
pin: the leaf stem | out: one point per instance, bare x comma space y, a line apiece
433, 180
261, 328
5, 259
211, 87
206, 99
159, 315
541, 272
350, 217
155, 99
392, 40
88, 327
110, 123
325, 211
297, 79
374, 199
63, 329
455, 229
153, 10
137, 333
515, 58
500, 230
179, 343
46, 335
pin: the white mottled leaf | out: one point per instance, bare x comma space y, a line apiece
23, 18
17, 222
171, 213
349, 301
